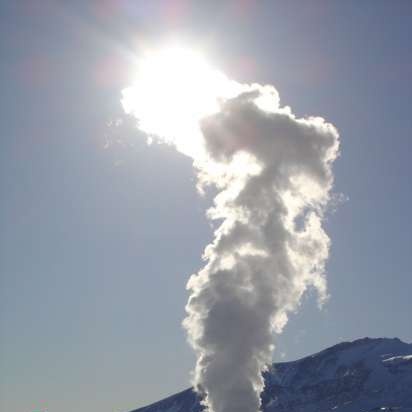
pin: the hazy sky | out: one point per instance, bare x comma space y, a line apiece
99, 233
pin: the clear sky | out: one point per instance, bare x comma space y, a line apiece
99, 232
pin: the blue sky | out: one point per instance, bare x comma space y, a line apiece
98, 242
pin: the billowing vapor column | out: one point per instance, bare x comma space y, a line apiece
274, 178
269, 247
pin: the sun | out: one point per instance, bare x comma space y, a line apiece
173, 90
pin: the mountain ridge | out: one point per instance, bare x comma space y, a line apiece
365, 375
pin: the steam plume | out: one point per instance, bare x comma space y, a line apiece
273, 175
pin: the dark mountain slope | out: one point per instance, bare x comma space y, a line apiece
361, 376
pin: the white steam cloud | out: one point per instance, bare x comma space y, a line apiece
274, 178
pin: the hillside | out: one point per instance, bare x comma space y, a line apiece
361, 376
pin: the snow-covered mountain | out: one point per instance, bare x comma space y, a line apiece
366, 375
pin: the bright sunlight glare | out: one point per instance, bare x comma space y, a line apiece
173, 90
